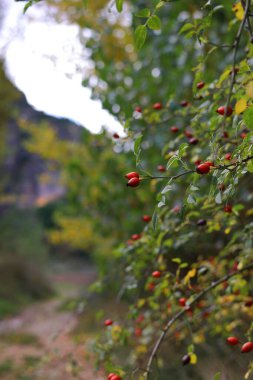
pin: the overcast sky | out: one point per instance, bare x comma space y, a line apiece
29, 44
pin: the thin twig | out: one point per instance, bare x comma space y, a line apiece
182, 312
235, 51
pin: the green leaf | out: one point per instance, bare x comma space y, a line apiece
154, 22
140, 35
217, 376
160, 4
137, 147
186, 28
143, 13
248, 117
154, 220
119, 5
250, 166
29, 4
182, 149
172, 160
176, 260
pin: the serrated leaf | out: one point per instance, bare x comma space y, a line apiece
217, 376
248, 117
154, 22
249, 89
182, 149
143, 13
241, 106
119, 5
154, 220
171, 161
250, 166
137, 147
191, 199
140, 36
186, 28
218, 198
166, 189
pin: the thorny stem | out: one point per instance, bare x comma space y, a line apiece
182, 312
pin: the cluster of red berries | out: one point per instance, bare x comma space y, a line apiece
246, 347
133, 179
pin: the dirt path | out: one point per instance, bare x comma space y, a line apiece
38, 343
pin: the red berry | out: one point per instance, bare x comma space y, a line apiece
203, 168
108, 322
157, 106
222, 110
200, 85
243, 135
116, 377
188, 134
138, 332
210, 163
184, 103
201, 222
138, 109
140, 318
116, 135
146, 218
225, 135
186, 359
193, 141
132, 175
134, 182
182, 301
228, 209
228, 156
151, 286
248, 303
174, 129
156, 274
109, 377
161, 168
197, 162
247, 347
232, 340
135, 236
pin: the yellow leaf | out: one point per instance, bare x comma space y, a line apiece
249, 89
194, 358
241, 106
239, 11
190, 274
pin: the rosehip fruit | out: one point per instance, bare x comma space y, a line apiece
146, 218
222, 110
156, 274
247, 347
138, 109
225, 135
188, 134
228, 156
108, 322
116, 135
134, 182
132, 175
161, 168
232, 340
228, 209
174, 129
151, 286
243, 135
135, 236
116, 377
186, 359
201, 222
193, 141
203, 168
182, 301
184, 103
109, 377
138, 332
157, 106
200, 85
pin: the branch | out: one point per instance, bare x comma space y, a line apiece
182, 312
235, 51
